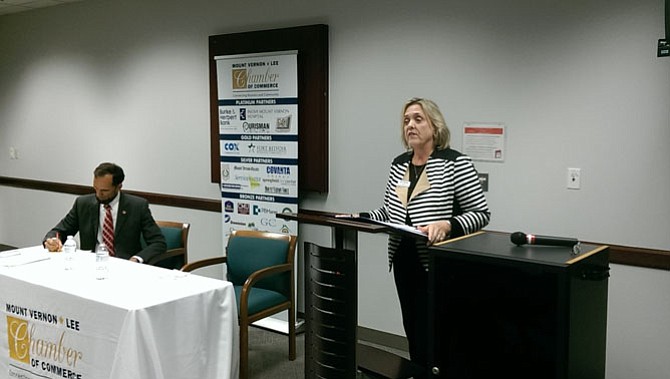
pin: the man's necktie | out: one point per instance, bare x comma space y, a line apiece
108, 230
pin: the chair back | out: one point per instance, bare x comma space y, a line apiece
176, 238
251, 250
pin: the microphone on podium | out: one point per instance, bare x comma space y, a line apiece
520, 238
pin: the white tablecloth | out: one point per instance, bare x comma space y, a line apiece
142, 322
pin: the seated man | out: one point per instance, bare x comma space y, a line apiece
112, 217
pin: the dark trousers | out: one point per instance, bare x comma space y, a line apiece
411, 281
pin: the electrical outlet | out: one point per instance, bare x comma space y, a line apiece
663, 45
574, 178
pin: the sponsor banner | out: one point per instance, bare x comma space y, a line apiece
258, 128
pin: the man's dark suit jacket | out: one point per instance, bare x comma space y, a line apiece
133, 220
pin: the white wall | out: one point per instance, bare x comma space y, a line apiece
576, 82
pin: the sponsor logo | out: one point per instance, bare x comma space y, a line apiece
246, 168
283, 124
231, 146
226, 115
281, 181
276, 190
225, 172
228, 206
254, 182
255, 127
243, 208
272, 222
243, 114
267, 149
278, 170
258, 210
230, 186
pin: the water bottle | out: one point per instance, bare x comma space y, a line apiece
101, 262
69, 248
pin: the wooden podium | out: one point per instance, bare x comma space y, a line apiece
501, 310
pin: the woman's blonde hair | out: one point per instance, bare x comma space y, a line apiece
441, 134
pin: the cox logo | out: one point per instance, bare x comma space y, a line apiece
231, 146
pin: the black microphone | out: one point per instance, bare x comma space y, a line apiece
520, 238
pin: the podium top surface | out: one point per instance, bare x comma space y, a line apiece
329, 219
359, 224
498, 245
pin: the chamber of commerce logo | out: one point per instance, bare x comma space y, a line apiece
240, 78
35, 343
255, 75
18, 337
40, 341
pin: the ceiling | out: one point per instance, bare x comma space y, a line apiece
15, 6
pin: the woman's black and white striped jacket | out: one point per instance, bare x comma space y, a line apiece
448, 189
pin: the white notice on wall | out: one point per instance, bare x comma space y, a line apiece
484, 141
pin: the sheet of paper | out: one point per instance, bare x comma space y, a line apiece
23, 256
397, 227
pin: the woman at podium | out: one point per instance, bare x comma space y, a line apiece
435, 189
